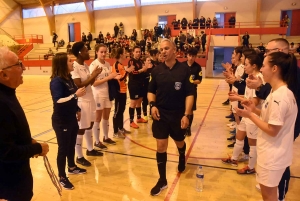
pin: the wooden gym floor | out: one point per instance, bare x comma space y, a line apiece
128, 170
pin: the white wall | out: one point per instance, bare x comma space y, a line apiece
271, 9
12, 24
38, 25
105, 20
245, 9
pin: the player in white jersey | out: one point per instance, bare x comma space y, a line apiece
101, 93
276, 123
246, 127
83, 78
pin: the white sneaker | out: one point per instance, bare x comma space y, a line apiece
243, 157
257, 186
230, 124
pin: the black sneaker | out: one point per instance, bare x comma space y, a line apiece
231, 145
83, 161
77, 170
109, 141
181, 163
124, 131
94, 153
100, 145
231, 138
226, 102
229, 116
66, 184
231, 119
161, 185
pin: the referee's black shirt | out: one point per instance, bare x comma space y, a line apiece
171, 87
136, 78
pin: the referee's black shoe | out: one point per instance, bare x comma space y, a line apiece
160, 185
226, 102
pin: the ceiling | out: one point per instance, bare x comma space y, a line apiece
36, 3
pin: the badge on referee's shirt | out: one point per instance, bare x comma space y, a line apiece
177, 85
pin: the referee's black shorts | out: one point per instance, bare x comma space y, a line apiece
136, 91
163, 129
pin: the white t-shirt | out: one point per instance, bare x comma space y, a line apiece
102, 89
238, 73
82, 72
280, 108
250, 93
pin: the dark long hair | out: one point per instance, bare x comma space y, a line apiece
255, 59
60, 66
288, 68
117, 52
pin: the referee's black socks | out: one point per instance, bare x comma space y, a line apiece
181, 162
138, 112
161, 159
131, 114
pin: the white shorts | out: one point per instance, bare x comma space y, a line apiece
102, 103
234, 104
250, 129
87, 113
269, 178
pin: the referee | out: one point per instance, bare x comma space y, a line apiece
196, 78
171, 96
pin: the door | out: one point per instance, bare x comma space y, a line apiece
295, 23
77, 31
71, 32
226, 19
289, 14
170, 19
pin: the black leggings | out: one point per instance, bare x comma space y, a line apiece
283, 186
118, 118
66, 134
145, 98
246, 147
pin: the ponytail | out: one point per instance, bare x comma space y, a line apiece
117, 52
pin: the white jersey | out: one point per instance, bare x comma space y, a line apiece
238, 73
250, 93
82, 72
102, 89
280, 108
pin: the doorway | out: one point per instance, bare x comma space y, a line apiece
74, 30
166, 19
221, 55
294, 24
223, 19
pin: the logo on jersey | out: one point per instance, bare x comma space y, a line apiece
191, 79
98, 105
150, 78
136, 96
277, 102
177, 85
200, 73
266, 105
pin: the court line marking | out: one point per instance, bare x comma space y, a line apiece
175, 181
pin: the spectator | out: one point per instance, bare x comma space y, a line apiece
167, 31
156, 32
100, 35
262, 48
69, 48
231, 21
90, 37
184, 23
195, 23
190, 38
190, 24
197, 44
116, 30
175, 24
208, 23
50, 52
246, 40
215, 23
298, 49
83, 37
182, 40
203, 40
133, 35
286, 21
202, 22
61, 43
121, 30
292, 49
149, 43
54, 38
143, 46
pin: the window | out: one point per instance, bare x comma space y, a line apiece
102, 4
34, 12
153, 2
69, 8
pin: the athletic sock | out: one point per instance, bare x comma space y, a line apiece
105, 126
181, 162
131, 114
138, 112
161, 159
96, 131
252, 157
238, 147
78, 146
89, 139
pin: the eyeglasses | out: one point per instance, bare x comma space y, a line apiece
271, 50
19, 64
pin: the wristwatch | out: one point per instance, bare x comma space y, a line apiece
75, 96
152, 104
187, 115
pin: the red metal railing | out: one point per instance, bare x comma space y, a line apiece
29, 38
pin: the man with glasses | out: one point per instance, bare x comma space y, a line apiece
262, 91
16, 144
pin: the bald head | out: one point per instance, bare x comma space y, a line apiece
278, 44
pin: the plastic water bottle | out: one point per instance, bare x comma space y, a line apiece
199, 179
